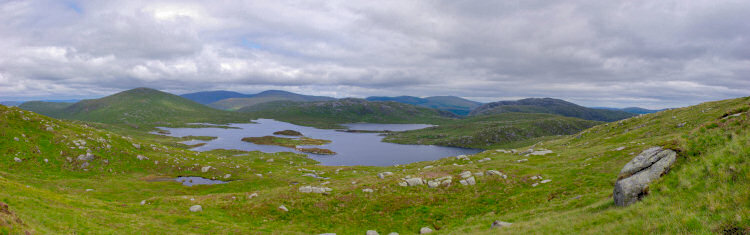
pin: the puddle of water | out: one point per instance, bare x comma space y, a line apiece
188, 180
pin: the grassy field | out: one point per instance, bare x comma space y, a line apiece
494, 131
707, 191
285, 142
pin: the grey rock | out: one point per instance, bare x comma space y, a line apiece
372, 232
87, 157
17, 159
205, 169
85, 164
382, 175
414, 181
465, 174
283, 208
367, 190
196, 208
541, 153
141, 157
500, 224
634, 178
393, 233
425, 230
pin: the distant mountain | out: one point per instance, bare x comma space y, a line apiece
453, 104
51, 109
137, 106
207, 97
11, 103
552, 106
263, 97
329, 114
633, 110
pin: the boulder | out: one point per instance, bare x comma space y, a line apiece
500, 224
465, 174
382, 175
283, 208
634, 178
196, 208
17, 159
433, 184
541, 152
414, 181
425, 230
205, 169
372, 232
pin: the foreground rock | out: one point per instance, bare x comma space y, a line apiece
196, 208
632, 183
425, 230
500, 224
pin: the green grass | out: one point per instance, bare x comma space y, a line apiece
285, 142
493, 131
707, 190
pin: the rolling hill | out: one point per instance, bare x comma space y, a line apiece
552, 106
633, 110
207, 97
57, 175
453, 104
140, 106
329, 114
51, 109
493, 131
263, 97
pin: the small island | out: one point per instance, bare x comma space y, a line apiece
288, 133
292, 143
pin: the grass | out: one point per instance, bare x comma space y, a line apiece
705, 192
493, 131
285, 142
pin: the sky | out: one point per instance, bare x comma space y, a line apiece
653, 54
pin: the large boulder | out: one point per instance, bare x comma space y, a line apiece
632, 183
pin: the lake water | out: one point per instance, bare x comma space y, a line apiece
351, 148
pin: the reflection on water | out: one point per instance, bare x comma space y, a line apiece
352, 148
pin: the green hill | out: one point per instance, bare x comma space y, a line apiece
453, 104
140, 106
493, 131
263, 97
207, 97
330, 113
552, 106
48, 189
47, 108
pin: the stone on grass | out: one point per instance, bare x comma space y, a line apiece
17, 159
85, 164
425, 230
545, 181
433, 184
205, 169
403, 184
414, 181
283, 208
382, 175
143, 202
634, 178
393, 233
141, 157
468, 181
372, 232
252, 196
227, 176
46, 160
465, 174
196, 208
367, 190
500, 224
541, 152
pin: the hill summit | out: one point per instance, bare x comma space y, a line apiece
552, 106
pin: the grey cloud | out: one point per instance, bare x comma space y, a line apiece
632, 53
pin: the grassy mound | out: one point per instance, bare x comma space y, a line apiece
285, 142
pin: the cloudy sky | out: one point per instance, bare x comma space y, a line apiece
645, 53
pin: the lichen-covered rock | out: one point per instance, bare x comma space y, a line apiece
382, 175
634, 178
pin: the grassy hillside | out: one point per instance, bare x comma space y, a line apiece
493, 131
328, 114
144, 107
264, 97
707, 191
552, 106
453, 104
207, 97
46, 108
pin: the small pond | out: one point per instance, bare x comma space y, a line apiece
188, 180
351, 148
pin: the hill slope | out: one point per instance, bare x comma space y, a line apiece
552, 106
706, 192
207, 97
456, 105
144, 106
263, 97
493, 131
330, 113
633, 110
47, 108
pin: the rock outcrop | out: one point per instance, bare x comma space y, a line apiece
632, 183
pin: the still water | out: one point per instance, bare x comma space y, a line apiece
351, 148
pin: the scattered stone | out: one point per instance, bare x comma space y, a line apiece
433, 184
465, 174
85, 164
69, 159
541, 152
427, 167
393, 233
311, 189
87, 157
137, 146
46, 160
141, 157
269, 160
619, 148
367, 190
468, 181
15, 138
143, 202
49, 128
681, 124
205, 169
382, 175
522, 160
484, 159
425, 230
500, 224
283, 208
227, 176
649, 165
17, 159
502, 151
462, 157
89, 190
372, 232
478, 174
414, 181
534, 185
252, 196
196, 208
403, 184
545, 181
